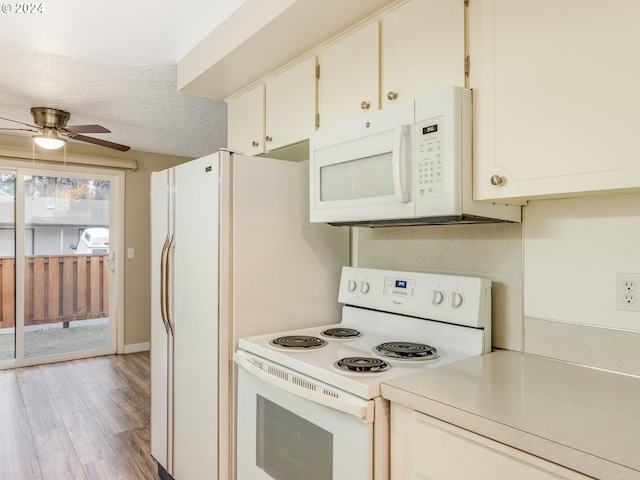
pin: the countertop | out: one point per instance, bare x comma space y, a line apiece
579, 417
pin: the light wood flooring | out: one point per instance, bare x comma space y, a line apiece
84, 419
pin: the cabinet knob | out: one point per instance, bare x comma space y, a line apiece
498, 180
392, 95
268, 138
365, 105
255, 144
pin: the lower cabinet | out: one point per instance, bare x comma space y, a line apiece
423, 447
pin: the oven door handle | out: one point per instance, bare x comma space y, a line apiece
309, 389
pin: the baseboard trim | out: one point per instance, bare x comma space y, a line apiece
137, 347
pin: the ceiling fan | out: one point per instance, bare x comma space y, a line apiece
52, 125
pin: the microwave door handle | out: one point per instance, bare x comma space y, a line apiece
399, 163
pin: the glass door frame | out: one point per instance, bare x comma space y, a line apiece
116, 256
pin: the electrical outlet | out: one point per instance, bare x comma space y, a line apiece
627, 291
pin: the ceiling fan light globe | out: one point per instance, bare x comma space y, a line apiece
49, 140
48, 143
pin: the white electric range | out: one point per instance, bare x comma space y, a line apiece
311, 398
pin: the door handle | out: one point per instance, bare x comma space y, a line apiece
398, 163
111, 262
167, 272
162, 284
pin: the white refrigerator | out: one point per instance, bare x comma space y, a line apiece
233, 255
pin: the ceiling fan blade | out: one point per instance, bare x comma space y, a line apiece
22, 129
99, 141
87, 129
22, 123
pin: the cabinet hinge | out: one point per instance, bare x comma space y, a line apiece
467, 65
318, 72
317, 120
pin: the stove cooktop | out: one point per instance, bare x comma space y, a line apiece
455, 329
319, 363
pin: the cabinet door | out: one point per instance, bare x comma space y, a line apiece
555, 97
349, 71
291, 105
422, 48
440, 451
245, 122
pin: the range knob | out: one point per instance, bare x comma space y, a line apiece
365, 287
351, 285
437, 297
457, 300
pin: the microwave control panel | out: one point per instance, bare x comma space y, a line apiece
430, 158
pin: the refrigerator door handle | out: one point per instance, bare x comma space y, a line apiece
167, 273
162, 284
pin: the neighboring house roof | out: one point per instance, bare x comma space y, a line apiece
57, 212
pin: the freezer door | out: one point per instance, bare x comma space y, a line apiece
160, 340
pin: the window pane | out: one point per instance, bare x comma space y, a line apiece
66, 277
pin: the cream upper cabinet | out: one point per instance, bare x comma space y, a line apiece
425, 447
556, 99
245, 122
349, 71
422, 48
277, 113
291, 105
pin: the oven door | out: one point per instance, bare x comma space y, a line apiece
361, 170
283, 433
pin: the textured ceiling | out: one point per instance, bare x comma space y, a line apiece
113, 64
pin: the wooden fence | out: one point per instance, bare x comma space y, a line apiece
58, 288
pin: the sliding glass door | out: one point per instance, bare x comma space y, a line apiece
64, 262
7, 266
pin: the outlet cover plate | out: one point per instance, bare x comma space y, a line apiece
628, 292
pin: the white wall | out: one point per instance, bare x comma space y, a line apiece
493, 251
553, 275
572, 251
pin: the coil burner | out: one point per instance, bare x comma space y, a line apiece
339, 332
407, 351
362, 364
299, 342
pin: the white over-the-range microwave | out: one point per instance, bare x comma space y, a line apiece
408, 164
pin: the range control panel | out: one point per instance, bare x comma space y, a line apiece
399, 286
448, 298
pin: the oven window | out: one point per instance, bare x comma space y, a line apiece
288, 447
361, 178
